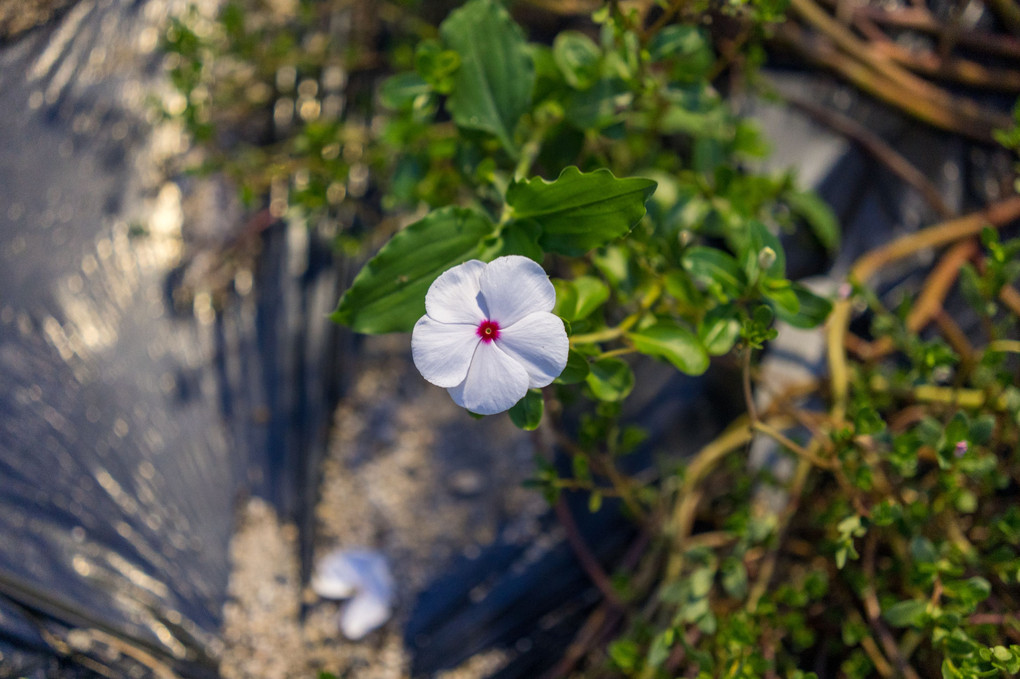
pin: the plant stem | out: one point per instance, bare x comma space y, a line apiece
745, 374
938, 235
786, 442
622, 351
678, 526
585, 557
608, 334
1005, 346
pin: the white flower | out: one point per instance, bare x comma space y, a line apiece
488, 335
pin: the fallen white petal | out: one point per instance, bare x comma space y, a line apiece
454, 296
442, 351
363, 574
513, 287
494, 383
539, 343
362, 614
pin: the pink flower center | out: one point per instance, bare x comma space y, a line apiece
488, 330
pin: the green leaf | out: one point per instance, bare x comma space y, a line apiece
969, 592
734, 577
576, 299
578, 59
660, 648
906, 613
949, 670
610, 379
599, 106
400, 91
436, 66
527, 413
812, 311
677, 345
957, 429
760, 238
492, 87
818, 216
577, 368
719, 330
515, 238
625, 653
680, 287
687, 48
580, 211
716, 270
922, 550
388, 294
780, 291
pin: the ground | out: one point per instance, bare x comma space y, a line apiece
407, 473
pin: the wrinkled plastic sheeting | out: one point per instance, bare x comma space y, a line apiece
129, 427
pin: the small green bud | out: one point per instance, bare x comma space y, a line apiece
767, 257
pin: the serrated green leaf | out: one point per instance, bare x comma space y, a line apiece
610, 379
515, 238
527, 413
677, 345
388, 294
714, 268
580, 211
492, 88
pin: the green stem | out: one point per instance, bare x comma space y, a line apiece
532, 147
752, 412
606, 334
1005, 346
622, 351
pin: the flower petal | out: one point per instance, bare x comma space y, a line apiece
442, 351
513, 287
364, 613
454, 298
539, 343
495, 382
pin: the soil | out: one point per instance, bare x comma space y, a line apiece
409, 474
